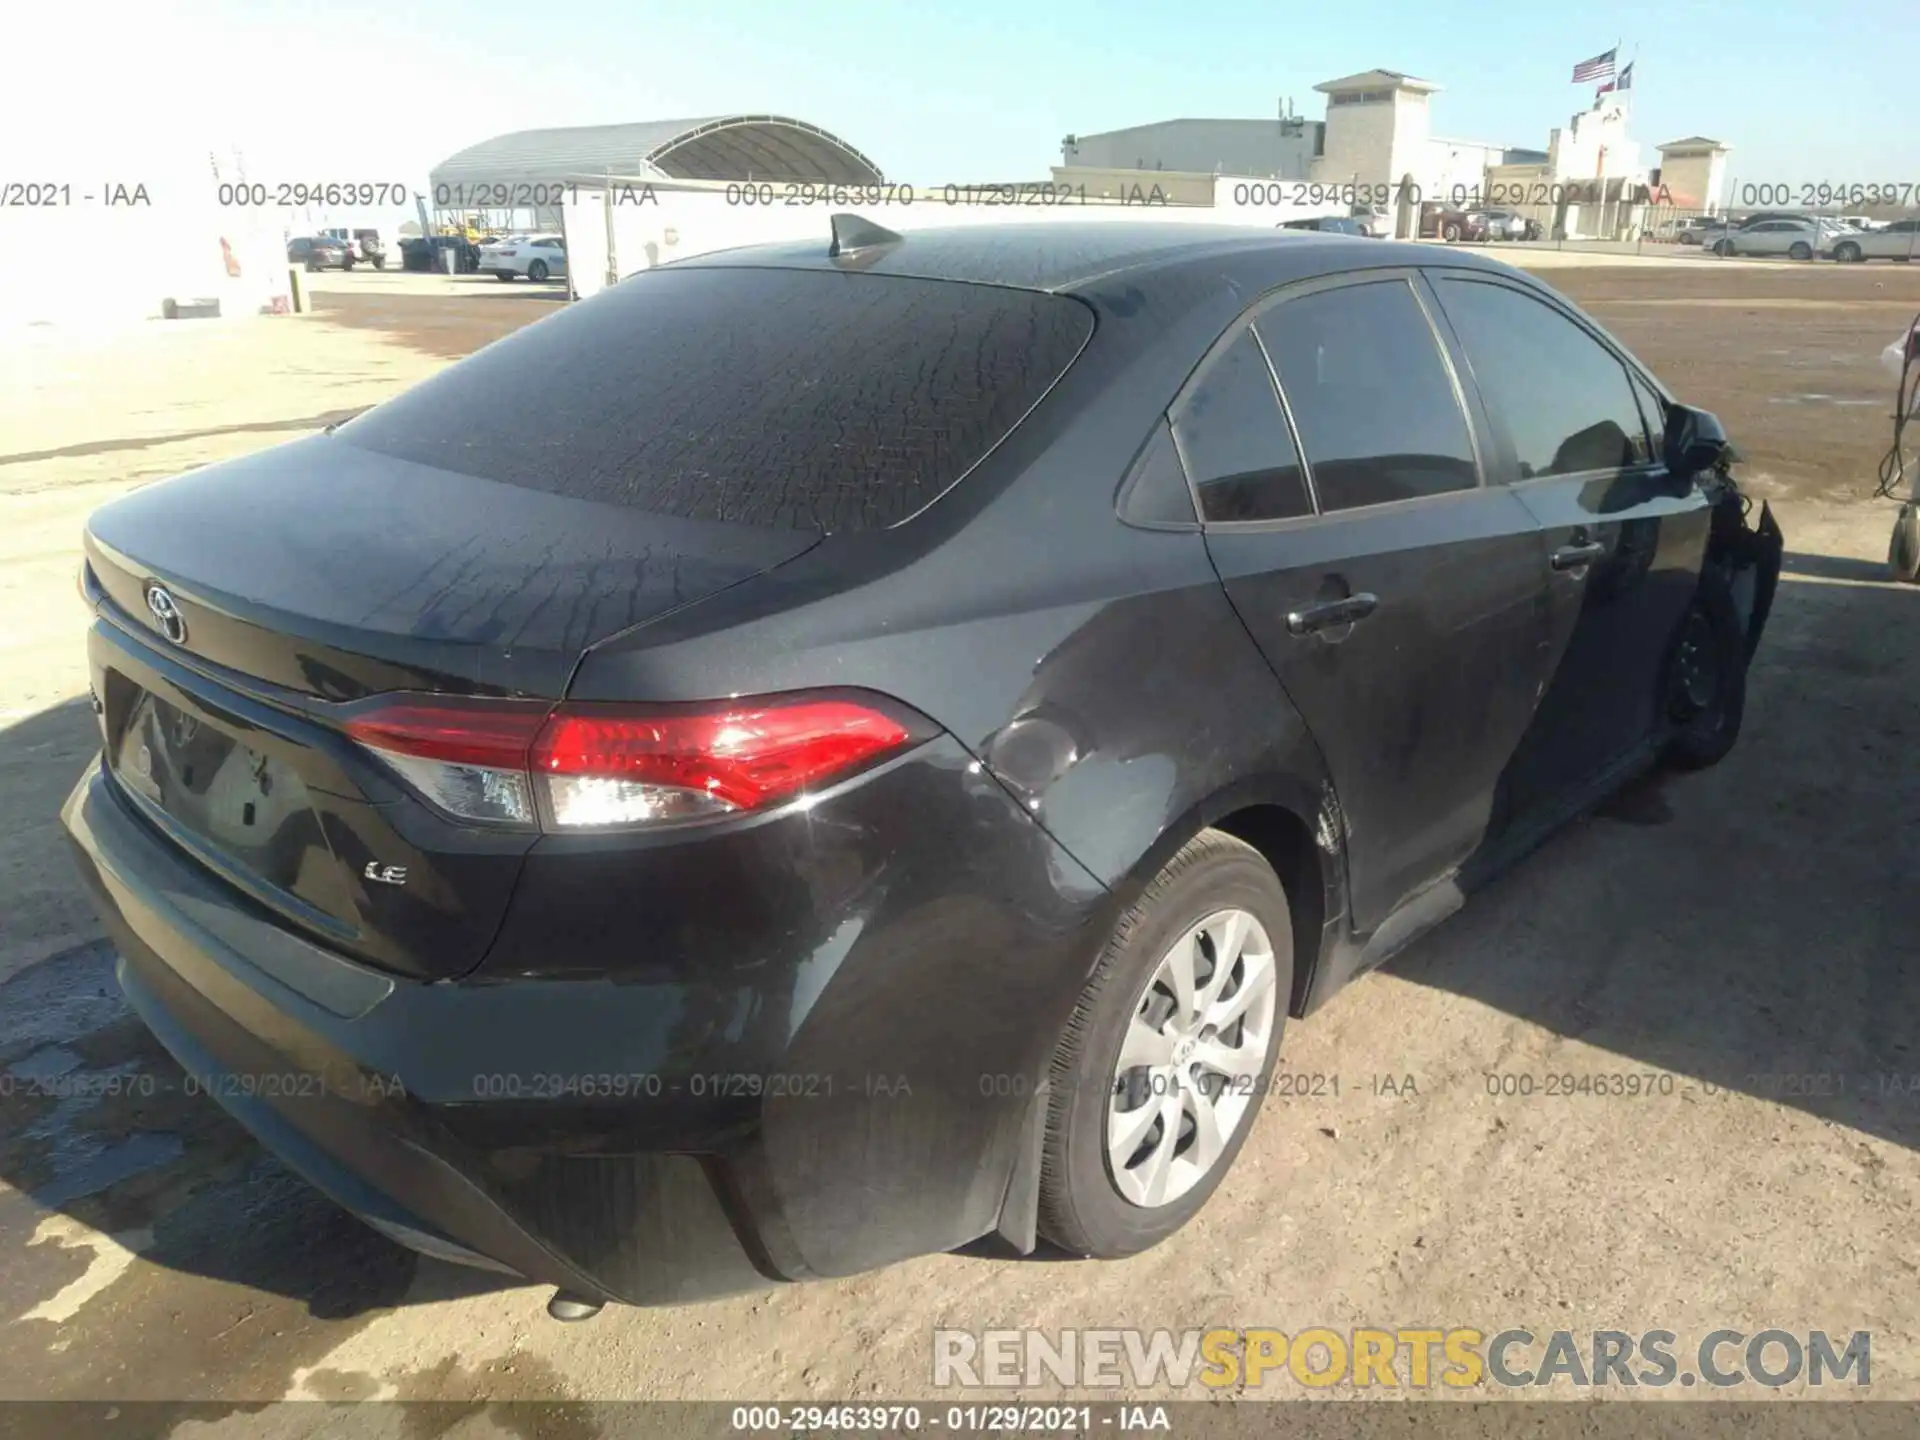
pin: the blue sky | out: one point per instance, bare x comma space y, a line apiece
980, 91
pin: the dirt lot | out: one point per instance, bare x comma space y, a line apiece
1735, 931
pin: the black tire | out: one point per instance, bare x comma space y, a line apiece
1081, 1210
1848, 253
1723, 247
1450, 232
1706, 678
538, 270
1903, 547
1799, 250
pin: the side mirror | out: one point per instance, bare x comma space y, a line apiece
1695, 442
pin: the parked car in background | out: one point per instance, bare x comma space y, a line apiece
787, 765
1764, 217
318, 252
362, 246
1511, 225
491, 243
344, 239
1375, 220
1797, 239
1702, 229
1898, 241
538, 257
418, 253
1444, 223
1327, 225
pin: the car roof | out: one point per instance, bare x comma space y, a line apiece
1071, 256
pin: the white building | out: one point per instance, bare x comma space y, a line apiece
1377, 133
1693, 172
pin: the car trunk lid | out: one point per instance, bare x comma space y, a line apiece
248, 609
337, 572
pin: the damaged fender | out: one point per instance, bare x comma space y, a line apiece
1746, 555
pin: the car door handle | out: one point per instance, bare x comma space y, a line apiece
1331, 613
1572, 557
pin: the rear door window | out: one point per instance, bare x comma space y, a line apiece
796, 399
1562, 398
1370, 392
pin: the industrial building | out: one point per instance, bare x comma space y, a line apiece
1376, 134
517, 181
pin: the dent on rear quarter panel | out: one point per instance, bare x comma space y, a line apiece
1097, 670
896, 960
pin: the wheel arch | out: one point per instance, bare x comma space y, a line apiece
1287, 842
1296, 824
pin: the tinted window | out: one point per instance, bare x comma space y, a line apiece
1156, 490
1562, 397
799, 399
1234, 441
1653, 410
1364, 377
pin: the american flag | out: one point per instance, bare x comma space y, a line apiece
1600, 67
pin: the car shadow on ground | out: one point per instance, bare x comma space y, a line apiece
1750, 928
100, 1124
147, 442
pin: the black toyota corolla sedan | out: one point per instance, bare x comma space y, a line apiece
828, 752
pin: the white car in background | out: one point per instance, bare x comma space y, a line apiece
1375, 220
1797, 239
1898, 241
538, 257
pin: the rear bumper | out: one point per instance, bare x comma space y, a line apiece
625, 1139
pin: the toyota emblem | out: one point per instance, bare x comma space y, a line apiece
166, 613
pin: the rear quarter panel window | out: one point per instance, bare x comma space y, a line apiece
1156, 491
787, 398
1234, 441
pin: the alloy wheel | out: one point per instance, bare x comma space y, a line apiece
1183, 1083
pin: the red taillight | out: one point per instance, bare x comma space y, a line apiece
604, 765
462, 735
741, 757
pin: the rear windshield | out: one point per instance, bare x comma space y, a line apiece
798, 399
